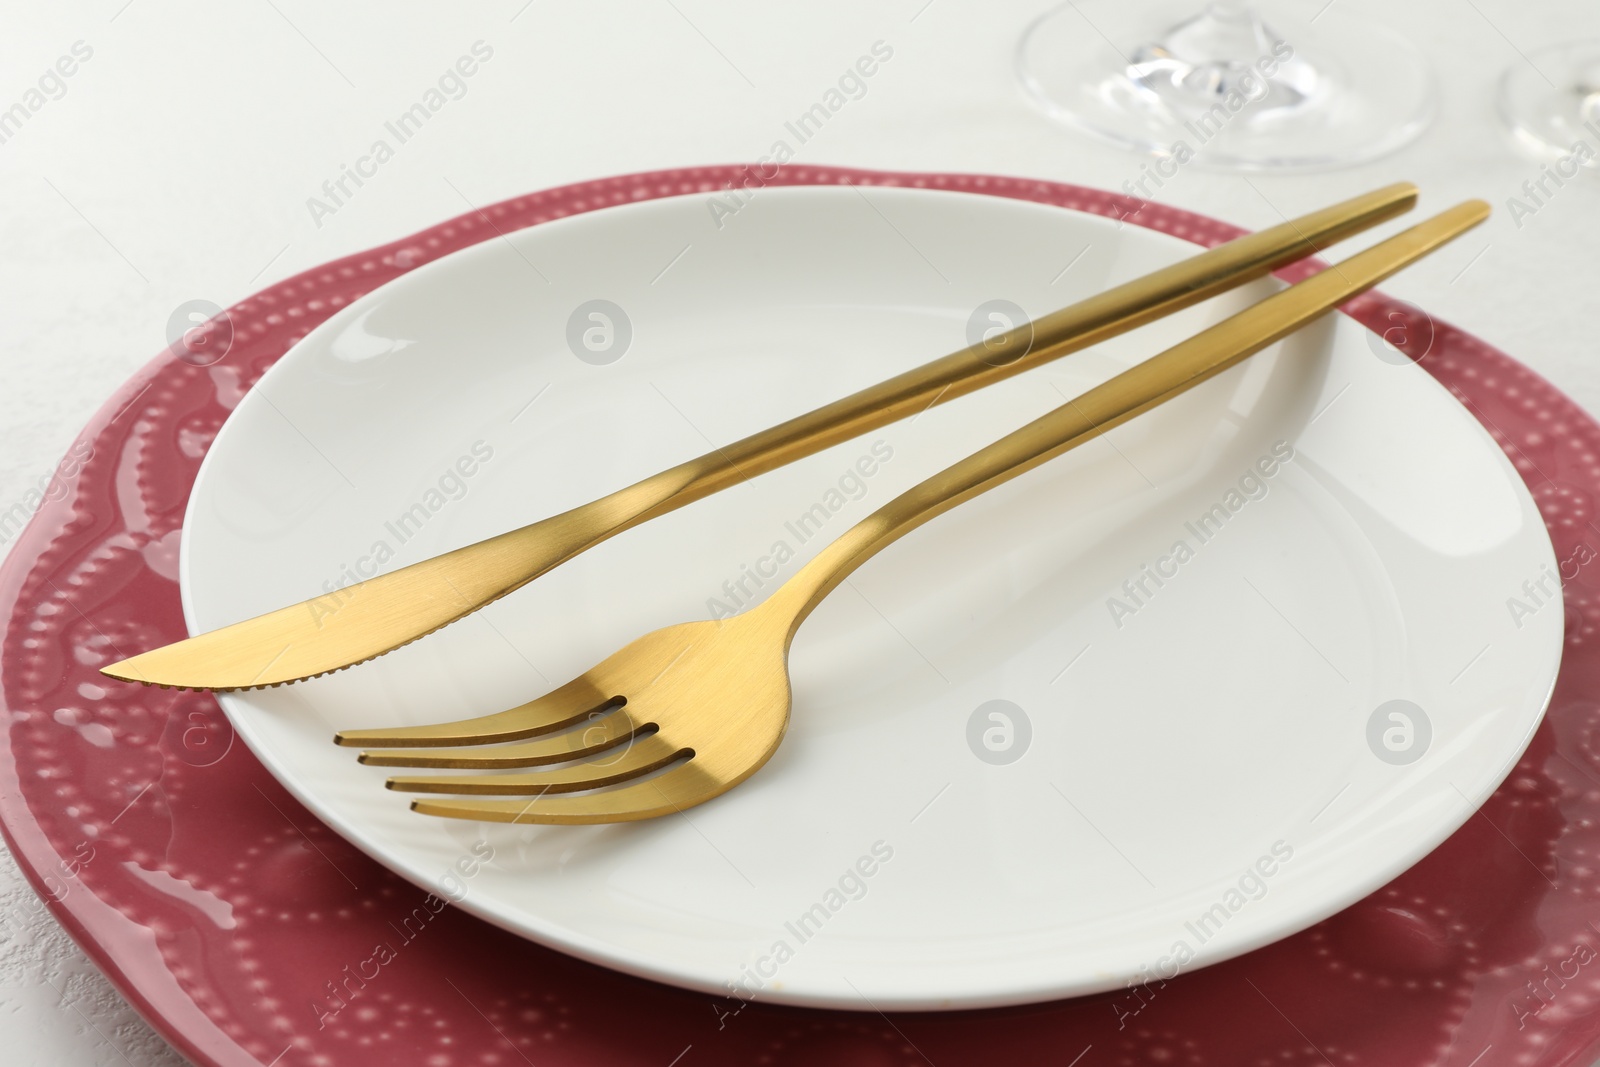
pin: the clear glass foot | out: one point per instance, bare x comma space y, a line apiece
1552, 102
1236, 87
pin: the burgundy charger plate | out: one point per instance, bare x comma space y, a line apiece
247, 932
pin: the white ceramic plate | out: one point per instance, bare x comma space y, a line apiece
1177, 771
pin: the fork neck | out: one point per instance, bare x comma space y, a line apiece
1011, 456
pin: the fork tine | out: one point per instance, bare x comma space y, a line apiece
652, 753
605, 732
682, 787
557, 709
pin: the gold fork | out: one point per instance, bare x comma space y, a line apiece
709, 701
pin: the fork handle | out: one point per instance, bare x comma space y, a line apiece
1134, 391
1060, 333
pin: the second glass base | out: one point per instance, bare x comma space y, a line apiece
1552, 102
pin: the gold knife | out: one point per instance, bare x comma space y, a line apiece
383, 613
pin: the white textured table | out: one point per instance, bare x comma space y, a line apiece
178, 160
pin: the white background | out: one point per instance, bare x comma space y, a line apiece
179, 162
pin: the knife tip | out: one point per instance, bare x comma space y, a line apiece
122, 673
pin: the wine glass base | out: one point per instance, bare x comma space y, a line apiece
1226, 89
1552, 102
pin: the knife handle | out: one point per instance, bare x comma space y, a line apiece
1028, 345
